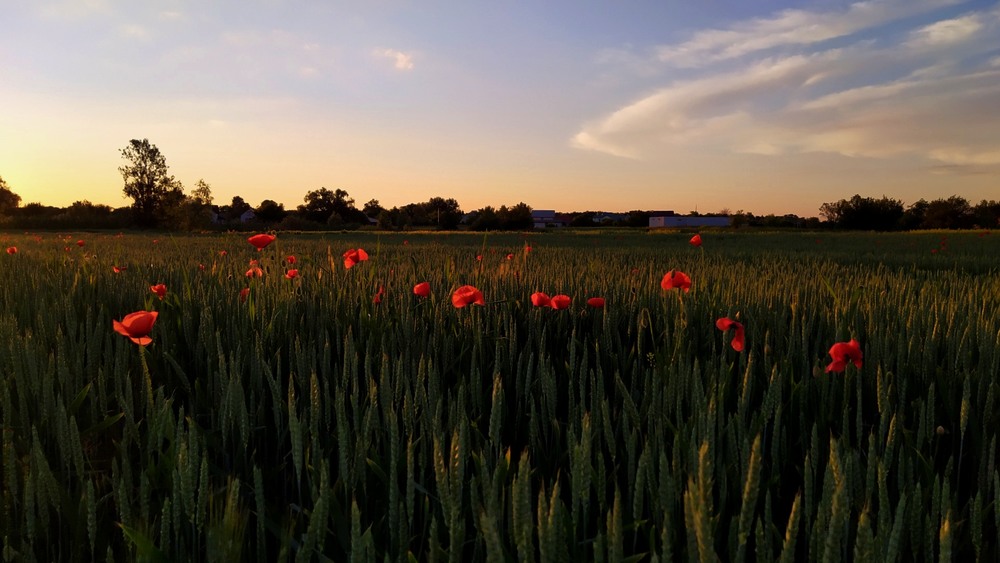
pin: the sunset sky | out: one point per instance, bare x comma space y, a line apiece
765, 106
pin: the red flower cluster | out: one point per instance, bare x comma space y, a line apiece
557, 302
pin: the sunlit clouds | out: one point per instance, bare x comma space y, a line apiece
809, 81
400, 60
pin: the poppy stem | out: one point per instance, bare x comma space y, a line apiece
147, 378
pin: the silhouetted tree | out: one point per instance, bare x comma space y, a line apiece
322, 203
8, 199
146, 180
270, 211
585, 219
987, 214
864, 213
637, 218
444, 213
202, 193
913, 217
372, 208
484, 219
952, 213
516, 217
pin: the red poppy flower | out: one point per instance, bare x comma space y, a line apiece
201, 267
80, 243
254, 271
527, 248
422, 289
156, 241
406, 243
11, 250
260, 241
136, 326
695, 240
222, 253
292, 274
353, 256
596, 302
539, 299
675, 279
739, 337
510, 256
479, 257
159, 289
118, 269
244, 293
291, 259
467, 295
843, 352
378, 295
559, 302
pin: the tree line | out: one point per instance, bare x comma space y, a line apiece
888, 214
159, 201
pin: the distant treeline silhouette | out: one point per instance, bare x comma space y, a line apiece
159, 202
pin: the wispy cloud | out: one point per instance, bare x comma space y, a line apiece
790, 27
925, 91
401, 60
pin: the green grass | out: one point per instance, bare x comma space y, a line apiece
310, 423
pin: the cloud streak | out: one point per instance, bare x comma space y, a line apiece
926, 91
401, 60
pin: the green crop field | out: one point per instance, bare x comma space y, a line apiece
335, 415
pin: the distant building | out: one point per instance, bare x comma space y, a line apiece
245, 217
679, 221
544, 218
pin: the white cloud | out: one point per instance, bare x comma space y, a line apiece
789, 27
928, 94
72, 9
171, 15
401, 60
947, 31
134, 31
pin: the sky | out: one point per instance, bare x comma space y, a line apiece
766, 106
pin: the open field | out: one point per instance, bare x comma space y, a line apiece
314, 421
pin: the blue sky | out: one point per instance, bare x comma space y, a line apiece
770, 107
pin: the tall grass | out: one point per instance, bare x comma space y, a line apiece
311, 423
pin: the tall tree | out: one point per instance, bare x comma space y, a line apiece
8, 199
202, 193
322, 204
146, 180
270, 211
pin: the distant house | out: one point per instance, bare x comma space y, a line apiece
603, 217
680, 221
543, 218
245, 217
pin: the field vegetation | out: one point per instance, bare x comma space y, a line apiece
334, 414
